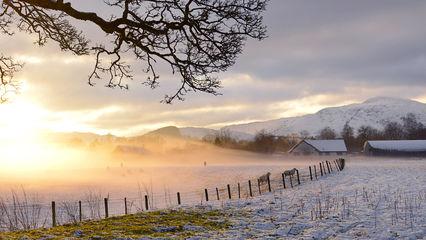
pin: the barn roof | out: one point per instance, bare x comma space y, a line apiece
328, 145
337, 145
400, 145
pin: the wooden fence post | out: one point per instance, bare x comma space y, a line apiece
207, 194
251, 193
106, 207
258, 185
229, 191
337, 165
178, 198
310, 172
146, 202
269, 183
283, 180
328, 167
239, 191
79, 210
53, 214
315, 170
323, 165
298, 178
217, 193
125, 206
321, 169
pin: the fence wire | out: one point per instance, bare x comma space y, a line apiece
23, 212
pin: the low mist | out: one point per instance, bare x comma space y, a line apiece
66, 170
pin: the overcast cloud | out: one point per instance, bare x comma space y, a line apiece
318, 54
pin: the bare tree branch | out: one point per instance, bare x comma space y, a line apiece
8, 85
196, 38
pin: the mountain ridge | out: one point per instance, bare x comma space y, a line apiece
375, 112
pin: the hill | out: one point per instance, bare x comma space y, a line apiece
374, 112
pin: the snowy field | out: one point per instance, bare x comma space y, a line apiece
369, 199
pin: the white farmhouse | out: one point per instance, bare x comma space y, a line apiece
415, 148
319, 147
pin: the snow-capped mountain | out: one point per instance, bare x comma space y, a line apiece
374, 112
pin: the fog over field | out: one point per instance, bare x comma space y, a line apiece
59, 172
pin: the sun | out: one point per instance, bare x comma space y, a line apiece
20, 120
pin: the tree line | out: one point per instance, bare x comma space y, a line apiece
408, 129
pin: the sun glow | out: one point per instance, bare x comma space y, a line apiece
20, 120
21, 148
23, 156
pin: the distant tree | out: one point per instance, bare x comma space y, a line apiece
393, 131
327, 133
94, 144
413, 129
294, 138
304, 134
347, 132
283, 143
264, 142
195, 38
223, 138
75, 142
368, 133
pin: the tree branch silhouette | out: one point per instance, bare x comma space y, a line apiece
196, 38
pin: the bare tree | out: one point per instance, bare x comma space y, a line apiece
347, 132
327, 133
368, 133
413, 129
393, 131
196, 38
264, 142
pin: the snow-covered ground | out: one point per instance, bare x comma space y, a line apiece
369, 199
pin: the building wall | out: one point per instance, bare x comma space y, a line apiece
370, 151
304, 149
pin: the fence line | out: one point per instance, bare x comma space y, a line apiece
91, 208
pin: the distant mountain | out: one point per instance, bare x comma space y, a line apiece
170, 131
197, 133
374, 112
85, 137
200, 133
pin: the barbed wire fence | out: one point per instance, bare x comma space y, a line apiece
24, 212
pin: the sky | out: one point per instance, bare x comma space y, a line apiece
318, 54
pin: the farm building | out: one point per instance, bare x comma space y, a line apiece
415, 148
319, 147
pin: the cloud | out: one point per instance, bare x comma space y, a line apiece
352, 41
318, 54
